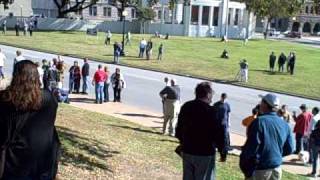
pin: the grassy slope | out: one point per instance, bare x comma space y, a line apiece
96, 146
194, 56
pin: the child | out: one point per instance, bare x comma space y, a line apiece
160, 52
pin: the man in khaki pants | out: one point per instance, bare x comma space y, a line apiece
171, 107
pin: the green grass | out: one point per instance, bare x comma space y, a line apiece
97, 146
193, 56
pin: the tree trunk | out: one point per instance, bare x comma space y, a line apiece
267, 27
61, 14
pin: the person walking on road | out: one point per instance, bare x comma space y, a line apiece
272, 61
118, 83
223, 110
85, 72
302, 128
3, 58
200, 135
98, 80
269, 140
171, 97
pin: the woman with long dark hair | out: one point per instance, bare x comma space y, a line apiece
29, 143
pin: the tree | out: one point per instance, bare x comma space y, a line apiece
271, 9
67, 6
6, 3
145, 14
137, 4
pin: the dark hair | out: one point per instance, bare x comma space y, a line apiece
315, 110
268, 105
203, 89
24, 92
224, 95
255, 111
99, 66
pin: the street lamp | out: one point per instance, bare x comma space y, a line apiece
124, 14
294, 18
21, 11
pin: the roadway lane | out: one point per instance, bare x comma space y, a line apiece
143, 87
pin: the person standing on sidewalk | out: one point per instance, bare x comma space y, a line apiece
269, 139
302, 128
199, 135
2, 60
118, 84
98, 80
85, 75
106, 84
74, 78
171, 98
223, 116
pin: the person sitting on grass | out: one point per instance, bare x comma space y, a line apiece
225, 54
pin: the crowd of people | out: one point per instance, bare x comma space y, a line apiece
283, 61
145, 47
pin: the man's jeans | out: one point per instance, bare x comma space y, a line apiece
198, 167
99, 92
268, 174
85, 84
106, 92
171, 111
315, 158
301, 143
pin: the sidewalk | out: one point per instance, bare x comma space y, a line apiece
154, 120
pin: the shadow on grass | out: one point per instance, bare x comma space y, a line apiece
139, 115
294, 163
83, 152
169, 140
138, 129
270, 73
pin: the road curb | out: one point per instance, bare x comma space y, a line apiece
220, 81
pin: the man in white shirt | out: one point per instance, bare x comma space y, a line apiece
2, 59
143, 44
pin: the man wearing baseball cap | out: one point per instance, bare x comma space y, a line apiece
269, 139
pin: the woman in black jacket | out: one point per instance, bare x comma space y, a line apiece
27, 133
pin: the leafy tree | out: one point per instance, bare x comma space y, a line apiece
271, 9
6, 3
67, 6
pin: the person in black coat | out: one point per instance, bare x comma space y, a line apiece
17, 27
282, 61
272, 61
291, 63
85, 75
27, 132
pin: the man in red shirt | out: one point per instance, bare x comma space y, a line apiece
303, 123
99, 78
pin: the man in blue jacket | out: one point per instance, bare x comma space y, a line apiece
269, 139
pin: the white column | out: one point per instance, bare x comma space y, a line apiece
179, 11
210, 16
186, 20
223, 21
200, 16
232, 14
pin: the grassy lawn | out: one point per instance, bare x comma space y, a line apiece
96, 146
193, 56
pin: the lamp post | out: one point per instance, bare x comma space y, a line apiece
124, 14
21, 11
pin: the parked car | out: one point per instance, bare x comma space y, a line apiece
273, 32
294, 34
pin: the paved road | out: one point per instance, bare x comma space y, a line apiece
143, 88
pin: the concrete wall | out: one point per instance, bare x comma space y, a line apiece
172, 29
